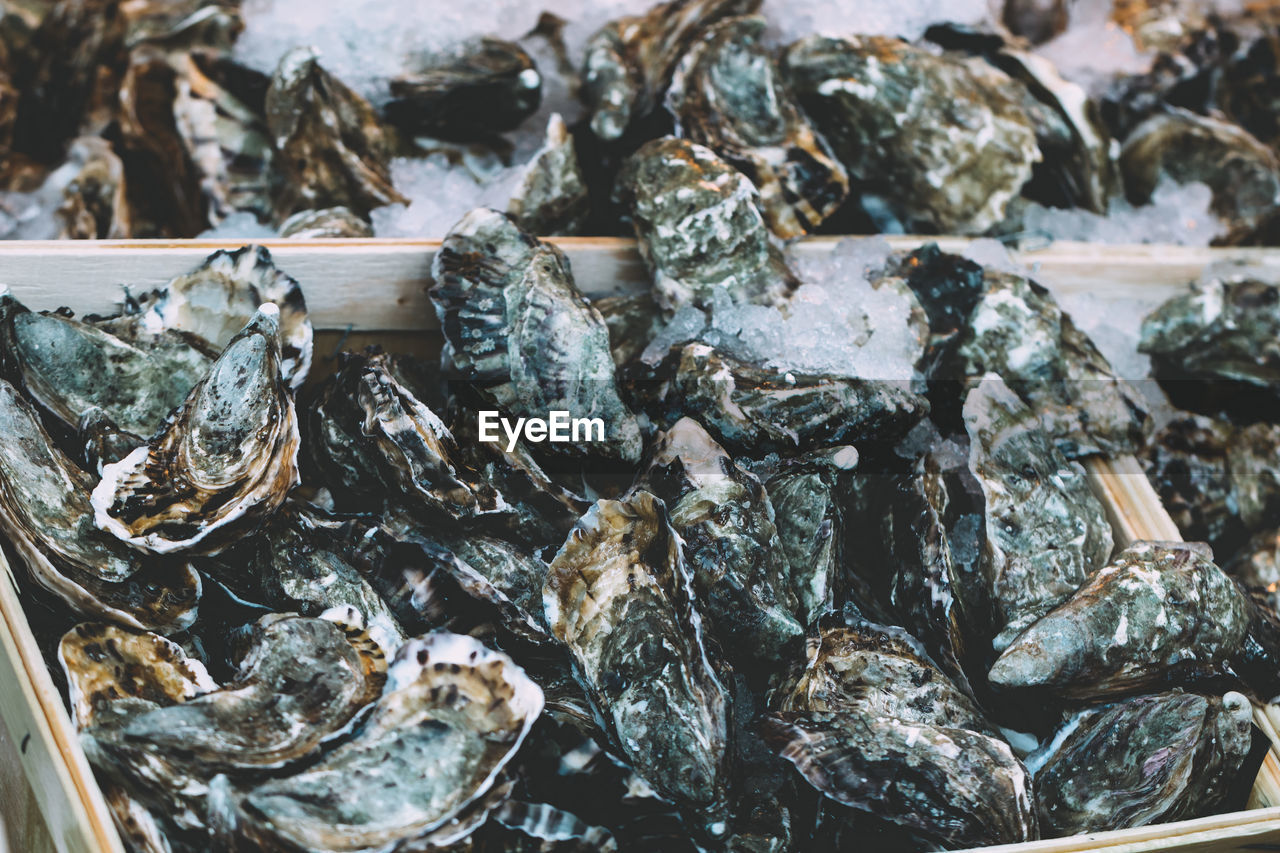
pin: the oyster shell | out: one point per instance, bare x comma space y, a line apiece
301, 684
1226, 328
758, 410
1156, 611
1257, 567
542, 827
726, 521
453, 715
807, 496
224, 464
514, 320
952, 786
481, 87
1017, 330
331, 148
1148, 759
1243, 173
619, 596
324, 224
374, 440
70, 368
1218, 481
629, 62
699, 229
164, 183
46, 514
890, 111
884, 672
95, 205
552, 197
105, 663
216, 299
218, 115
1046, 533
727, 94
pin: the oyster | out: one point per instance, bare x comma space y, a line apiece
301, 684
891, 112
105, 664
1243, 174
1218, 481
752, 409
217, 298
218, 115
1225, 328
324, 224
1156, 611
223, 465
807, 496
330, 147
951, 786
723, 515
1148, 759
539, 826
1045, 531
619, 596
629, 62
552, 196
164, 183
514, 321
453, 715
478, 88
70, 368
1017, 330
885, 672
1257, 567
374, 440
95, 205
46, 514
699, 229
727, 94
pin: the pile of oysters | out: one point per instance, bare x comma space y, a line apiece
136, 118
762, 610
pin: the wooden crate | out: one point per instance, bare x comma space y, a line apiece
364, 290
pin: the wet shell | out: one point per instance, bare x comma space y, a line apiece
514, 321
215, 300
1156, 612
757, 410
1149, 759
46, 514
726, 521
552, 196
481, 87
225, 463
324, 224
727, 94
301, 684
699, 228
1046, 533
619, 596
1257, 567
374, 440
891, 112
69, 368
1226, 328
629, 62
955, 787
331, 147
1243, 173
1018, 331
884, 672
105, 663
453, 715
807, 495
95, 205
